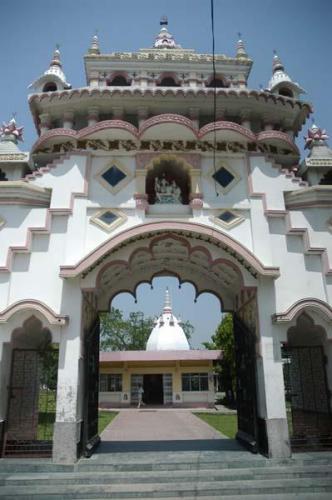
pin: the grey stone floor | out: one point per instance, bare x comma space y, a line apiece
158, 425
147, 430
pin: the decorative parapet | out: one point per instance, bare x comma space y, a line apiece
309, 197
21, 193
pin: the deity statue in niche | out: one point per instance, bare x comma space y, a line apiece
167, 191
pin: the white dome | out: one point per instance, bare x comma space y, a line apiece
167, 334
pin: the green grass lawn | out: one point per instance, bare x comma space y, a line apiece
226, 424
105, 417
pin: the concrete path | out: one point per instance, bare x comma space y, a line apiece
158, 425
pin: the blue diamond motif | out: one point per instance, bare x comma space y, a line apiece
113, 175
223, 177
108, 217
226, 216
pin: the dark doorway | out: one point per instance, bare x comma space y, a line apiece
153, 389
307, 398
32, 403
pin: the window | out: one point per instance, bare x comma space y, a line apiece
195, 382
113, 175
50, 87
216, 82
168, 81
286, 92
223, 176
110, 382
227, 216
118, 81
108, 217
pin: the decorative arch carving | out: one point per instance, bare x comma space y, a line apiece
239, 252
307, 304
33, 305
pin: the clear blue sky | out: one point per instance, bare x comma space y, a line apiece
299, 30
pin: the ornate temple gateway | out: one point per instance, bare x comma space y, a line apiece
161, 166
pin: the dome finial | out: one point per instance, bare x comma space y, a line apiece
240, 48
163, 21
277, 64
56, 61
94, 47
167, 303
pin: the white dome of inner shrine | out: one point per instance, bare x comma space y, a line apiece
167, 334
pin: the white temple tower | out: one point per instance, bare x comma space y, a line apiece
167, 333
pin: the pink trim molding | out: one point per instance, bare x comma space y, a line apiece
319, 306
34, 305
168, 118
224, 125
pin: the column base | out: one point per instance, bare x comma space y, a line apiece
278, 438
2, 432
65, 443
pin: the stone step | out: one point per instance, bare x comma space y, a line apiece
186, 464
157, 461
199, 474
171, 489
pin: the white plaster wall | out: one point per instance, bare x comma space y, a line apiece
68, 177
14, 232
300, 275
270, 180
195, 397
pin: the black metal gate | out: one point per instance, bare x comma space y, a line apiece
307, 397
31, 403
246, 397
91, 384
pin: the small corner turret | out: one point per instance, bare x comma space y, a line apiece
317, 167
13, 162
164, 40
53, 79
94, 49
240, 49
281, 83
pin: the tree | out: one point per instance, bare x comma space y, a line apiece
224, 339
120, 334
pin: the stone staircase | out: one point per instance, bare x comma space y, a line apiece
207, 474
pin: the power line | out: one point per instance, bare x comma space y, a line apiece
214, 95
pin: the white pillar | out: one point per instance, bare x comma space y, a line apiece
67, 428
270, 380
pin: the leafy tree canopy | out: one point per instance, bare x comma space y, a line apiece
224, 339
120, 334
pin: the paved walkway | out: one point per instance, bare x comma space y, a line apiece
158, 425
